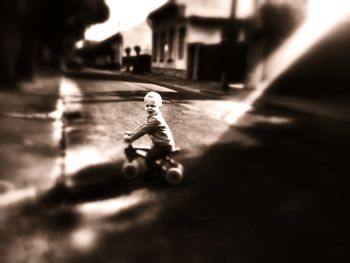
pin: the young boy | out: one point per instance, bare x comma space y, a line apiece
157, 129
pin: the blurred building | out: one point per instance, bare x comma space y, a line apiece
181, 29
103, 54
216, 39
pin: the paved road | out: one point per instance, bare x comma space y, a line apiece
90, 137
261, 188
109, 108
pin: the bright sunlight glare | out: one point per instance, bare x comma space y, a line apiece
322, 17
112, 206
79, 44
69, 88
15, 196
77, 158
83, 239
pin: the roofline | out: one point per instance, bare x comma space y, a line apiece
217, 20
161, 8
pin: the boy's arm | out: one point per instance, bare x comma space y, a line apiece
147, 127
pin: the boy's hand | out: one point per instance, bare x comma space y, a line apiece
126, 137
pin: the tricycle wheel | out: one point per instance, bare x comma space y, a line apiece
174, 175
130, 169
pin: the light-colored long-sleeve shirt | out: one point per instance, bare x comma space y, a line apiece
157, 129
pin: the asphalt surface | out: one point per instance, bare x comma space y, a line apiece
266, 187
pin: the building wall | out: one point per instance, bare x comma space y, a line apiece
171, 38
176, 41
170, 72
168, 45
204, 35
168, 52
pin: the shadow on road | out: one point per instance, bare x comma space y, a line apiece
279, 200
96, 182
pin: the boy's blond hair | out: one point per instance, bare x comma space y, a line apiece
155, 96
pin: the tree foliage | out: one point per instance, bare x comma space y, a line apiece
137, 50
127, 51
58, 24
28, 27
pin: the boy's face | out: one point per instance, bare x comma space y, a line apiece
151, 107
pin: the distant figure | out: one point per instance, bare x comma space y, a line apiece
158, 130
